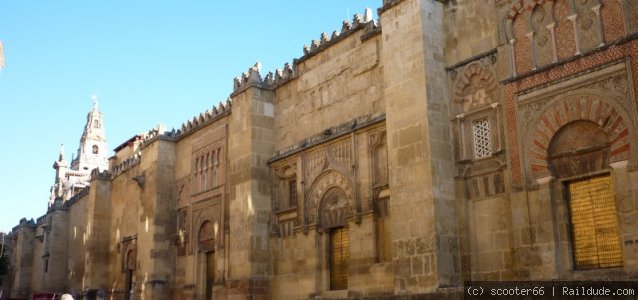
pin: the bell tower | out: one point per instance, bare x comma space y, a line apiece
93, 150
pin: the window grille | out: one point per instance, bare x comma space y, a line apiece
482, 138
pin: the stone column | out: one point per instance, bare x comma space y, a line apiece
423, 209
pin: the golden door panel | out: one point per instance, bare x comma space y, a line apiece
596, 239
339, 256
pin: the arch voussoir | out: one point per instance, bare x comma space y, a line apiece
576, 108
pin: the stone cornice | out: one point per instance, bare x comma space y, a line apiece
328, 134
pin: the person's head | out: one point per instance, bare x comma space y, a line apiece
66, 297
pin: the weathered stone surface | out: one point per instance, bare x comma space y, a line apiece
434, 145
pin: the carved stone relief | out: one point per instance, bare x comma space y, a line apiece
211, 214
614, 86
543, 40
564, 109
588, 22
330, 179
335, 208
128, 253
477, 126
475, 88
337, 155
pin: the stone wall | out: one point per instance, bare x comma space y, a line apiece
471, 29
541, 91
128, 222
195, 207
334, 86
22, 261
434, 137
299, 233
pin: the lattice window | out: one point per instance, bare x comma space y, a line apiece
482, 138
596, 239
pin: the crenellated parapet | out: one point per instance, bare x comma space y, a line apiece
159, 133
81, 194
280, 76
156, 132
387, 4
221, 109
126, 165
96, 174
359, 22
252, 77
203, 119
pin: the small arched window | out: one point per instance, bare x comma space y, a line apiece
96, 150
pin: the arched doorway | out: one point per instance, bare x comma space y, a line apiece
335, 209
579, 155
130, 263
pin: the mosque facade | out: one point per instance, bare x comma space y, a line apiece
444, 142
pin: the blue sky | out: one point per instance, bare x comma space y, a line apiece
149, 62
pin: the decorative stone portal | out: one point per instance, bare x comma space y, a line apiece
579, 152
335, 208
335, 192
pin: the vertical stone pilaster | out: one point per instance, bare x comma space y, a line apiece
56, 275
250, 140
163, 218
542, 223
624, 188
423, 209
599, 25
552, 30
99, 217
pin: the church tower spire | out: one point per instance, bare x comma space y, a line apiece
93, 150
